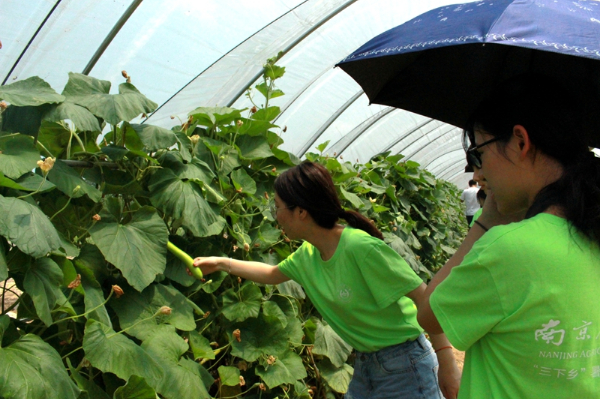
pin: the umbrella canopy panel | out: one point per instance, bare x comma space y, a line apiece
184, 54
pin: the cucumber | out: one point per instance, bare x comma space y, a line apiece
186, 259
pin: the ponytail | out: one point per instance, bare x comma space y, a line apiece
359, 221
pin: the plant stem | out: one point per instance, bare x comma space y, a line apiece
70, 353
62, 209
88, 312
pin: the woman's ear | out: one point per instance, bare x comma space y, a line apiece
523, 142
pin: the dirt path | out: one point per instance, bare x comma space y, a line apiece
10, 296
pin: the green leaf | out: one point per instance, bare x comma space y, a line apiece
113, 108
292, 288
54, 137
34, 182
136, 388
200, 346
115, 353
137, 248
42, 282
32, 91
92, 390
211, 116
338, 378
287, 369
238, 306
136, 310
184, 199
154, 137
259, 337
182, 378
274, 71
31, 368
353, 198
253, 147
195, 169
26, 120
17, 155
94, 299
229, 375
328, 343
27, 227
273, 312
242, 181
6, 182
68, 180
267, 114
81, 117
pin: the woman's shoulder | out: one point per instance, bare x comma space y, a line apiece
360, 238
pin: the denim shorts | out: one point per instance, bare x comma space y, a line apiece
407, 370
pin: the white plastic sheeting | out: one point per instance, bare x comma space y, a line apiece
184, 54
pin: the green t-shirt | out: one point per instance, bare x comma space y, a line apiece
524, 305
475, 216
360, 290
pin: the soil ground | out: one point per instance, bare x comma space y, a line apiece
10, 296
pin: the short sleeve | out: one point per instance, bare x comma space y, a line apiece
289, 266
467, 304
387, 275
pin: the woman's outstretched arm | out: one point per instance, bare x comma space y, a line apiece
254, 271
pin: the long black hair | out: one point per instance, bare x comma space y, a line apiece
556, 128
309, 186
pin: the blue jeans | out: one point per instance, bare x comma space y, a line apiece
407, 370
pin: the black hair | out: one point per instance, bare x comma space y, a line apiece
481, 194
556, 128
309, 186
472, 183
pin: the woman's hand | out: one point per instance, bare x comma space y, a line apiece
490, 216
210, 264
448, 374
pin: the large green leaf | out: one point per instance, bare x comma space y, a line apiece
18, 155
137, 248
136, 388
135, 310
69, 182
26, 120
83, 119
27, 227
32, 369
259, 337
229, 375
154, 137
94, 303
273, 312
34, 182
328, 343
195, 169
211, 116
114, 353
6, 182
287, 369
338, 378
238, 306
181, 377
32, 91
184, 199
54, 137
243, 182
113, 108
42, 282
254, 147
200, 346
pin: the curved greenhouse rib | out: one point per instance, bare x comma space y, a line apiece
328, 123
453, 159
399, 139
448, 151
343, 143
430, 142
111, 35
451, 173
215, 87
30, 41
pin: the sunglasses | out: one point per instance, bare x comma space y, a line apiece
474, 157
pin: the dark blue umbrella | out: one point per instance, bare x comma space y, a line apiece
442, 63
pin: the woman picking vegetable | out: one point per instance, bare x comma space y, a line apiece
521, 297
361, 287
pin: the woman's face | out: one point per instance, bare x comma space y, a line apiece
502, 174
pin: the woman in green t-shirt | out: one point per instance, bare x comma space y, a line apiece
360, 286
520, 294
